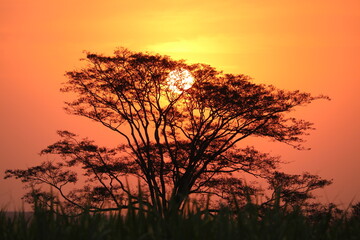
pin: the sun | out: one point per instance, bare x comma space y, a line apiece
180, 80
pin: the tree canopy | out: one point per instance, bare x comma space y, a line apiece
177, 143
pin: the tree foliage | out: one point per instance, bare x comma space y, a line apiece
177, 144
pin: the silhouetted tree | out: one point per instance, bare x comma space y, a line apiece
355, 210
178, 143
293, 190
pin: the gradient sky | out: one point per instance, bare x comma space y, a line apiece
313, 46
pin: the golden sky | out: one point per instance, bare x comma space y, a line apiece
313, 46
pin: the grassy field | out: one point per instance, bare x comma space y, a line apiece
248, 223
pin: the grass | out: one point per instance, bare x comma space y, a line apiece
247, 223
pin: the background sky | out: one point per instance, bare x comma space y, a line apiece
310, 45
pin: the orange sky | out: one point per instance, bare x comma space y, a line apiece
312, 46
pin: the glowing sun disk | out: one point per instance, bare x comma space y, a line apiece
180, 80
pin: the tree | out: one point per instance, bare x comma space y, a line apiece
293, 190
178, 143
